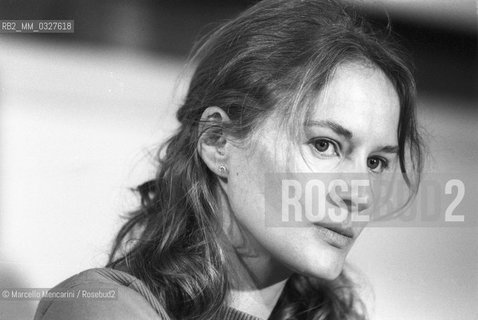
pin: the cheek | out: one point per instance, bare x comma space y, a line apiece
249, 177
298, 248
246, 183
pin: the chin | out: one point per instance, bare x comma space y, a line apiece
326, 263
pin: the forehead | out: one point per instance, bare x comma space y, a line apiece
362, 99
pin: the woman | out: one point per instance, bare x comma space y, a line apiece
286, 87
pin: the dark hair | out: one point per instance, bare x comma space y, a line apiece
273, 58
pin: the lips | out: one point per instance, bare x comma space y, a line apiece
337, 236
347, 232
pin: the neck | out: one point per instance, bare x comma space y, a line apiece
258, 302
256, 279
256, 284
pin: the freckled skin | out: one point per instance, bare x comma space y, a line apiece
362, 100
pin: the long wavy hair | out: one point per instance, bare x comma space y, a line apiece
274, 58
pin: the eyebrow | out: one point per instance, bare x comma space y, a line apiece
340, 130
388, 149
337, 128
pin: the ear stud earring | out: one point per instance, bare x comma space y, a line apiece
222, 168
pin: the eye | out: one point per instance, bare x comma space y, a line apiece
325, 147
377, 164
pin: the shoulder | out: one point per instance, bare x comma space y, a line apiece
100, 293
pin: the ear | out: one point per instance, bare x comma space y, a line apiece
212, 144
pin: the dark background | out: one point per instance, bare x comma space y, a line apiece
443, 48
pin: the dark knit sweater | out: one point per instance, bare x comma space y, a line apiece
129, 298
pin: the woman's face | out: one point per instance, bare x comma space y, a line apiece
352, 129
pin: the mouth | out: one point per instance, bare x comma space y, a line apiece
336, 236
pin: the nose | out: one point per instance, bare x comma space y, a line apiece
354, 192
355, 189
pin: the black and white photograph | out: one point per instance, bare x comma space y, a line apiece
239, 159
